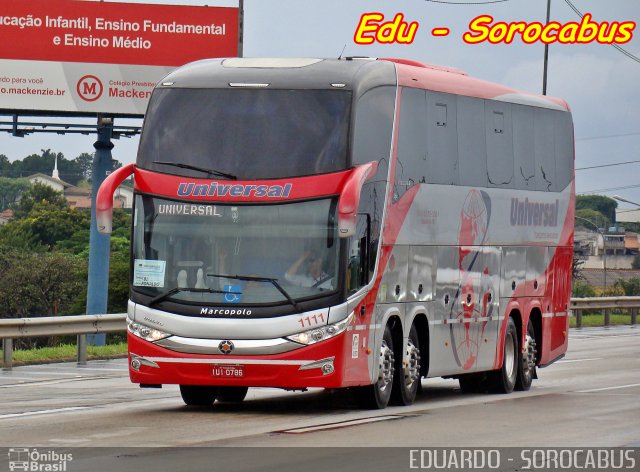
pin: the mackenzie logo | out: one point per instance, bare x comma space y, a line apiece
214, 189
526, 213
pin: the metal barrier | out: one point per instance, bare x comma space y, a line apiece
629, 304
80, 325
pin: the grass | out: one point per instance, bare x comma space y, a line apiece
66, 352
597, 319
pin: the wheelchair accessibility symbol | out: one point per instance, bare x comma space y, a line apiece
233, 295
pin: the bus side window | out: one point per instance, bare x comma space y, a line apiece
564, 150
412, 141
442, 139
499, 141
359, 264
523, 145
472, 149
545, 149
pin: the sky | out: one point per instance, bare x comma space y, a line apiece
601, 84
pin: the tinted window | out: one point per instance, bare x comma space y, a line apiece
442, 139
372, 135
544, 149
472, 151
412, 141
564, 149
249, 133
523, 138
499, 127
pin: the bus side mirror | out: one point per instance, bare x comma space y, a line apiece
104, 198
350, 198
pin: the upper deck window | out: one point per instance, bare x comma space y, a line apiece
252, 134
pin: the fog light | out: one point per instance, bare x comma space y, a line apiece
135, 364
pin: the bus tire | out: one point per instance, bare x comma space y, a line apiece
198, 395
504, 379
376, 396
472, 383
232, 394
406, 382
527, 360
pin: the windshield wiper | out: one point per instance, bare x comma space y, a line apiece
273, 282
173, 291
199, 169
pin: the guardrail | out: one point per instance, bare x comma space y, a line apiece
629, 304
81, 325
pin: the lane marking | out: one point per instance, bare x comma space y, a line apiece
569, 361
38, 383
603, 389
342, 424
43, 412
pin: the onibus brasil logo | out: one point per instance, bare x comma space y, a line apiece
32, 460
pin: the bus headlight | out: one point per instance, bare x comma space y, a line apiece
146, 333
323, 333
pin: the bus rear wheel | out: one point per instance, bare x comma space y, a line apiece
473, 383
407, 380
198, 395
376, 396
504, 379
527, 360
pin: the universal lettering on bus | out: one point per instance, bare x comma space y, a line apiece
187, 209
530, 213
215, 189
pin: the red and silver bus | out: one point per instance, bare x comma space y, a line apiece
346, 223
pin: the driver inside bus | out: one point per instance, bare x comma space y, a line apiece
308, 271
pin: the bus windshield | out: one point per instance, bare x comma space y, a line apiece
201, 253
250, 134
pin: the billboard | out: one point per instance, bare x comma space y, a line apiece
78, 56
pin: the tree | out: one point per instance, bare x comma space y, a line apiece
631, 287
51, 224
576, 268
10, 191
38, 284
605, 205
39, 193
69, 171
84, 162
596, 219
583, 290
5, 166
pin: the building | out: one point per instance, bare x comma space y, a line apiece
613, 249
5, 216
79, 197
625, 215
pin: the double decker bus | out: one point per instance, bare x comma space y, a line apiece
346, 223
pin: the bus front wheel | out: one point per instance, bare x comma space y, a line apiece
376, 396
198, 395
232, 394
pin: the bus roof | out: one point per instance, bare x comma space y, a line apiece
357, 74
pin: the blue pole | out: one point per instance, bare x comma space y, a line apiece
98, 286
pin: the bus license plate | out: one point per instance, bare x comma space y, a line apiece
233, 371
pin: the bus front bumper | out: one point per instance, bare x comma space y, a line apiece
316, 365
